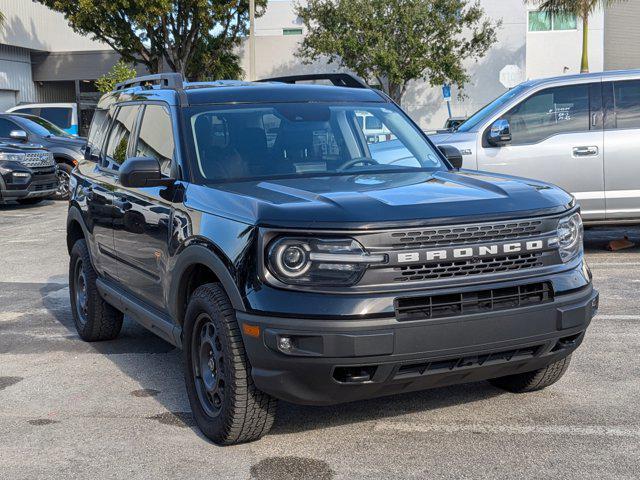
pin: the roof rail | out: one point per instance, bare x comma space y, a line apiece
168, 80
337, 79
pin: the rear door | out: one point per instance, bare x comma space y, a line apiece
622, 149
145, 214
558, 138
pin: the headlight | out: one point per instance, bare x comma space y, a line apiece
12, 157
315, 261
570, 236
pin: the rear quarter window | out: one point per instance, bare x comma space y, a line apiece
60, 116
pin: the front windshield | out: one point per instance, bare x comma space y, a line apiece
305, 139
488, 110
43, 127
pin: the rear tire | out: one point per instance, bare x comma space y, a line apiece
226, 405
535, 380
95, 319
29, 201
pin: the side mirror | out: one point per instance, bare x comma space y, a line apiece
139, 172
19, 135
499, 133
452, 154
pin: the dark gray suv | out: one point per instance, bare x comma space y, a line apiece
67, 150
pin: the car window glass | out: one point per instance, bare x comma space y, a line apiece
6, 127
60, 116
550, 112
627, 104
156, 136
30, 111
97, 131
304, 139
116, 151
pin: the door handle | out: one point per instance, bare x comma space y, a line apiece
585, 151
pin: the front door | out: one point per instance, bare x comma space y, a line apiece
557, 137
145, 214
622, 149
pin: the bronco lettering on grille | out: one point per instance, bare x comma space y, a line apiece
474, 251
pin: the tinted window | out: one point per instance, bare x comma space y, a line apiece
40, 126
303, 139
97, 131
30, 111
550, 112
627, 104
60, 116
6, 126
156, 136
116, 151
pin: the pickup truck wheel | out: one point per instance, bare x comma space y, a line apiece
95, 319
226, 405
535, 380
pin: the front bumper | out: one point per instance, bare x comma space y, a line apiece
345, 360
41, 183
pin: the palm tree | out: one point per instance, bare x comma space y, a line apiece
581, 9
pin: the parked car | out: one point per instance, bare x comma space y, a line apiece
62, 115
374, 130
27, 173
581, 132
303, 269
453, 122
67, 150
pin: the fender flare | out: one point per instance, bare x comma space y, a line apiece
200, 254
74, 215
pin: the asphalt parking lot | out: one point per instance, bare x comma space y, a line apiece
70, 409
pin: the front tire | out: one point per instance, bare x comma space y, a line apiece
226, 405
63, 172
535, 380
95, 319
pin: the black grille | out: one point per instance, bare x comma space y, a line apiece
455, 304
44, 186
466, 234
463, 268
426, 368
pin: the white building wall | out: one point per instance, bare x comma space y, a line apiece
16, 84
560, 52
32, 25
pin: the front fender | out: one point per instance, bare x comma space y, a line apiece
199, 255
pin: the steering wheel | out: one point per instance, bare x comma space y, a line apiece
354, 161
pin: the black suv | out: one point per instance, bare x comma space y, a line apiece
27, 173
253, 225
67, 150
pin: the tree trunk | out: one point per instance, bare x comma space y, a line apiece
395, 91
584, 65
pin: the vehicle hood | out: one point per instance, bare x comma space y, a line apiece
373, 200
453, 138
19, 147
76, 143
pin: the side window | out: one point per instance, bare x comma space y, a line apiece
374, 130
6, 126
550, 112
116, 152
156, 136
60, 116
97, 131
627, 104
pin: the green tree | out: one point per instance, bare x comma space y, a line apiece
579, 8
392, 42
120, 72
158, 32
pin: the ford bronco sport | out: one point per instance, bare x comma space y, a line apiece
253, 225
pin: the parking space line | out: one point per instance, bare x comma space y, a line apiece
572, 430
613, 264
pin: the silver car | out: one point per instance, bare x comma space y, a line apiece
581, 132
